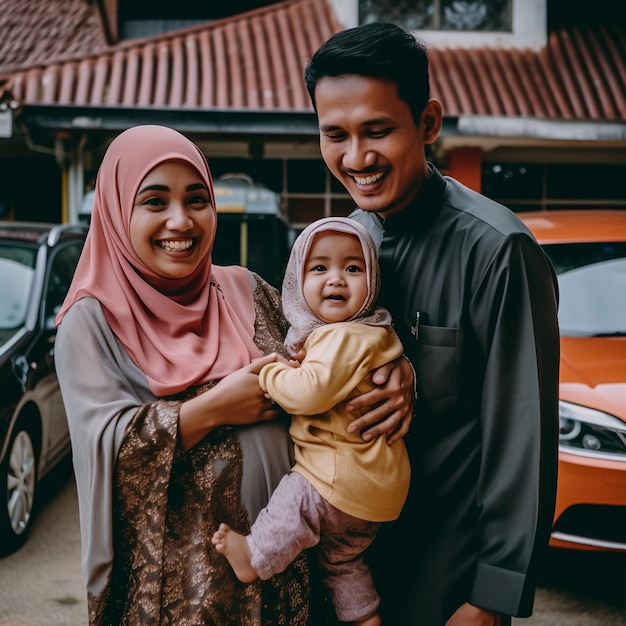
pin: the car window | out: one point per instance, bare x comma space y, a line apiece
15, 285
17, 271
592, 288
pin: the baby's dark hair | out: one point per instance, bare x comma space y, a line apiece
379, 50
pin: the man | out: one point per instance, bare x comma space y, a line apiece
474, 300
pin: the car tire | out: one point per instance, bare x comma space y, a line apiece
18, 486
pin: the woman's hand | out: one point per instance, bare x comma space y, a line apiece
245, 401
390, 403
236, 400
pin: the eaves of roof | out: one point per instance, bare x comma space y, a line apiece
251, 64
234, 123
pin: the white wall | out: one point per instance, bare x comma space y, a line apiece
529, 27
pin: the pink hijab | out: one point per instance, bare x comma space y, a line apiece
297, 311
179, 332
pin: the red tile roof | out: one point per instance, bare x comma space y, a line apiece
254, 62
32, 32
579, 75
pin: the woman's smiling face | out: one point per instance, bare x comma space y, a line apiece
172, 226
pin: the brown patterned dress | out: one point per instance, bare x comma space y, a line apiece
167, 503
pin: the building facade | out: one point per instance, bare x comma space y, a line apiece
534, 95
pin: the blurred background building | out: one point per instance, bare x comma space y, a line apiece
534, 95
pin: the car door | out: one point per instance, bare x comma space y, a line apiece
61, 270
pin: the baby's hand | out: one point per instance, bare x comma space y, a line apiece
290, 362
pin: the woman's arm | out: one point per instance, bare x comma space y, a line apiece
236, 400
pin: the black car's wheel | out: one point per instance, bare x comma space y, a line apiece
18, 482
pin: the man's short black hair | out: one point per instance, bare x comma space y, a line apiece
378, 50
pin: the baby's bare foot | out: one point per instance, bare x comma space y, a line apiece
235, 548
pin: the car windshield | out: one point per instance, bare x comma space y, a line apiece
592, 288
17, 270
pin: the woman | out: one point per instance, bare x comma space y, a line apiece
155, 355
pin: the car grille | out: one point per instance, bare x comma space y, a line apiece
601, 524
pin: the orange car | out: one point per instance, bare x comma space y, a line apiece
588, 251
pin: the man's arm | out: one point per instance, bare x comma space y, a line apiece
515, 316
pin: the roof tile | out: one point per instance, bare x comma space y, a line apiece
579, 75
34, 32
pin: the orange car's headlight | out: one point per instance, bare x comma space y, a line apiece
590, 432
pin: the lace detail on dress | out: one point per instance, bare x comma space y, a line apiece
270, 323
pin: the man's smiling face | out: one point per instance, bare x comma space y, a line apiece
370, 141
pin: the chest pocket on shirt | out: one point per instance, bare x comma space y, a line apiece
435, 355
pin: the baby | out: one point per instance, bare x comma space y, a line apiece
341, 487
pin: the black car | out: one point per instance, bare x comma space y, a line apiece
37, 262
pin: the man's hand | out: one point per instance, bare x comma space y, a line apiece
470, 615
389, 404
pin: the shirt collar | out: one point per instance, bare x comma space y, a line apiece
422, 210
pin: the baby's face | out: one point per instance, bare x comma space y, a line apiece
334, 284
